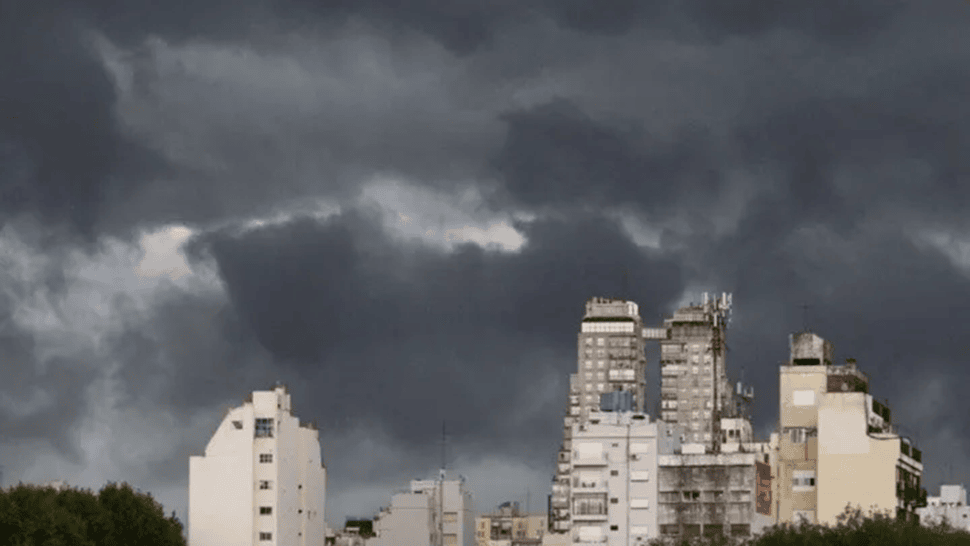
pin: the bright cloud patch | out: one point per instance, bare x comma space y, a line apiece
163, 254
442, 220
497, 234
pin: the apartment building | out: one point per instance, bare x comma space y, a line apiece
261, 480
613, 494
430, 513
694, 389
837, 445
950, 506
509, 526
610, 358
707, 494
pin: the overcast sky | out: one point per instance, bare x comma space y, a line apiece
401, 213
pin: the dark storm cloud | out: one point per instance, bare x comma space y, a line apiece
829, 20
407, 335
61, 152
189, 352
554, 154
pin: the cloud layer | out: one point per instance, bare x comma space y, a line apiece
401, 213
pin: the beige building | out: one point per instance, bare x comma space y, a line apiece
837, 445
508, 526
430, 513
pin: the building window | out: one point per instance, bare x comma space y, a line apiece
614, 528
265, 536
601, 364
451, 517
265, 457
264, 427
589, 341
601, 341
589, 364
614, 500
614, 472
265, 510
803, 480
265, 484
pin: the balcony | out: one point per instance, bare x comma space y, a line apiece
596, 486
591, 460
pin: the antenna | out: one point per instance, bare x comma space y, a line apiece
441, 488
805, 307
623, 290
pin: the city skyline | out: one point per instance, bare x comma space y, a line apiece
400, 214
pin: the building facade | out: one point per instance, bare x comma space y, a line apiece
613, 495
261, 481
610, 358
413, 517
508, 526
950, 507
694, 388
837, 445
703, 494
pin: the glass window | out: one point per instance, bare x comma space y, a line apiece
265, 457
264, 427
601, 364
601, 341
265, 484
265, 536
600, 376
589, 364
265, 510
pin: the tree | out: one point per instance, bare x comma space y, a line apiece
116, 516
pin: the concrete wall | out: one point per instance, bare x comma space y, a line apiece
221, 500
794, 382
852, 467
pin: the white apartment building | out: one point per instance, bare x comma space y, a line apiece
950, 506
413, 517
613, 492
261, 481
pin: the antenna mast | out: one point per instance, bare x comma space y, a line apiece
441, 489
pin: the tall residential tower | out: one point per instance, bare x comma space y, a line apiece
694, 389
610, 358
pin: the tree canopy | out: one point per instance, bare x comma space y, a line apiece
116, 516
